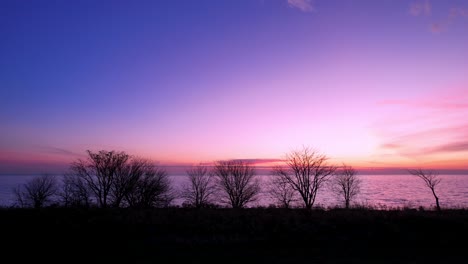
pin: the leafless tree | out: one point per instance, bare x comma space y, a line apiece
237, 182
19, 196
99, 172
37, 192
201, 188
431, 179
153, 189
346, 184
306, 172
75, 192
281, 192
117, 179
127, 178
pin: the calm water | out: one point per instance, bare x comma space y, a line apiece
384, 191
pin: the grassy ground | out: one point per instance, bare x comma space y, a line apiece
234, 236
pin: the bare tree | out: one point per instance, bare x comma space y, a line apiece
237, 182
75, 192
346, 184
99, 172
281, 192
201, 188
153, 189
431, 179
306, 171
37, 192
117, 179
20, 199
127, 178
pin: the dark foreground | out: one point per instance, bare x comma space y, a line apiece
170, 235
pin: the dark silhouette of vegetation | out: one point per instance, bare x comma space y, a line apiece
237, 182
252, 235
139, 183
74, 192
116, 179
152, 189
37, 192
139, 234
201, 188
431, 179
99, 172
281, 192
306, 172
126, 180
346, 184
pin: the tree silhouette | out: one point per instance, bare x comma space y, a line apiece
201, 188
37, 192
431, 179
152, 188
99, 172
346, 184
237, 182
281, 192
306, 171
75, 192
127, 180
117, 179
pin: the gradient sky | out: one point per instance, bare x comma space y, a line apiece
378, 84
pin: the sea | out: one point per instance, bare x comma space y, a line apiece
377, 191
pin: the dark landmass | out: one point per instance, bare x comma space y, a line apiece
63, 235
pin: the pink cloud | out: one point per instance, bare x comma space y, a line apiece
420, 8
390, 146
436, 28
458, 12
452, 147
428, 135
432, 103
303, 5
431, 129
454, 13
259, 161
424, 8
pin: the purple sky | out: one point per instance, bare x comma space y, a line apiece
377, 84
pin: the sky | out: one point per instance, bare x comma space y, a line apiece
375, 84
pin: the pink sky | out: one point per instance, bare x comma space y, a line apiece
376, 84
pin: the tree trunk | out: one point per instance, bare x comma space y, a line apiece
437, 203
437, 199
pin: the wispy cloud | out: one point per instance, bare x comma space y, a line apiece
452, 147
59, 151
453, 14
427, 141
420, 8
434, 128
259, 161
424, 8
391, 146
303, 5
437, 28
427, 103
458, 12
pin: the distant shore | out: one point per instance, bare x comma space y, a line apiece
267, 235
